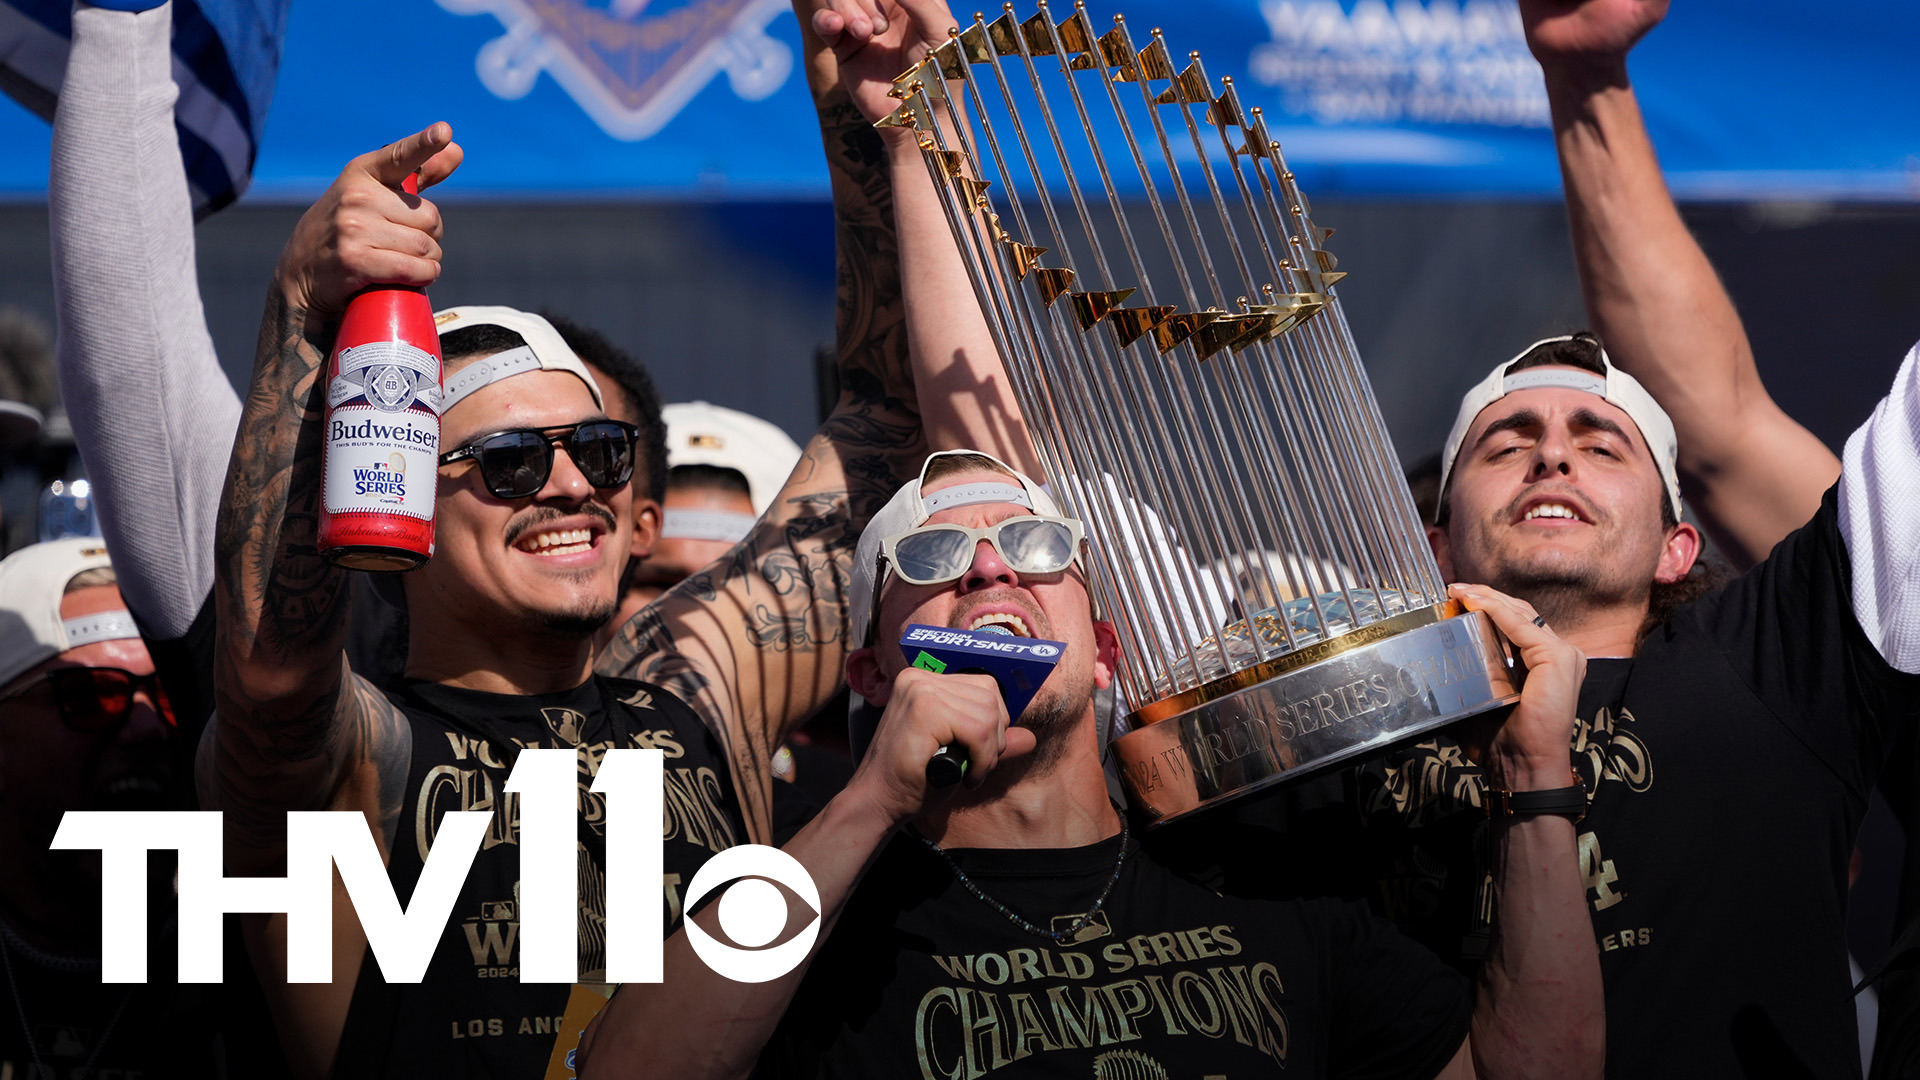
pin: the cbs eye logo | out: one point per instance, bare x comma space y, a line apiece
752, 912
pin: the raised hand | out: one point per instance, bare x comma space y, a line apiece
365, 230
1531, 749
925, 712
1587, 30
872, 41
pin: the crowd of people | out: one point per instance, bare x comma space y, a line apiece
1640, 870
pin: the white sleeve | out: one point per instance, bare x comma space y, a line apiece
152, 412
1880, 519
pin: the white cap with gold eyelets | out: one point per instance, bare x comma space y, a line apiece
699, 433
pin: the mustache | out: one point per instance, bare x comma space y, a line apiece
1036, 619
1564, 494
539, 516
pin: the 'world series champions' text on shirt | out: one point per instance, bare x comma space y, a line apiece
472, 1016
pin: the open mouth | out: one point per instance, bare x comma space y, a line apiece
1551, 510
552, 542
131, 793
1001, 622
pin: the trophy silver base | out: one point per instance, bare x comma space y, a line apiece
1330, 702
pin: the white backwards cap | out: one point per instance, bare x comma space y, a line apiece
545, 350
907, 511
1616, 387
702, 434
32, 582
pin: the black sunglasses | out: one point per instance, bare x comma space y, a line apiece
96, 699
515, 464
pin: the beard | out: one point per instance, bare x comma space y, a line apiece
1051, 717
1564, 590
582, 616
584, 619
1615, 568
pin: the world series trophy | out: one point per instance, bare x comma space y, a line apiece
1195, 396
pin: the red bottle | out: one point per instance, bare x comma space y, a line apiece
381, 446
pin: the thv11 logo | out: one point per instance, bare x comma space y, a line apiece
751, 912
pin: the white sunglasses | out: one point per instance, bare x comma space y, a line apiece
936, 554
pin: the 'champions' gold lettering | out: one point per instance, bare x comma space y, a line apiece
693, 811
966, 1031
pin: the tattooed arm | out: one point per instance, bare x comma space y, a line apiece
756, 642
966, 397
296, 730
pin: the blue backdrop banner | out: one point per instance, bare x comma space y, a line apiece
225, 54
1413, 98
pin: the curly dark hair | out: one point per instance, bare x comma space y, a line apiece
630, 377
635, 384
1709, 572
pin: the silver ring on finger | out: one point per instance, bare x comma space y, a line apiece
1540, 621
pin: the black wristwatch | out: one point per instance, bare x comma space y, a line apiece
1568, 802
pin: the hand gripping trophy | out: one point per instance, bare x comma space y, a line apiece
1197, 400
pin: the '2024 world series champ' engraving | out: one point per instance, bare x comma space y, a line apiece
1274, 725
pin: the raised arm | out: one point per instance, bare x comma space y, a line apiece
152, 412
296, 731
965, 397
756, 642
1750, 471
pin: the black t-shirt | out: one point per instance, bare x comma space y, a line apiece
922, 979
472, 1016
83, 1029
1728, 765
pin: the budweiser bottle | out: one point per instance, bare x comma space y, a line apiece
382, 440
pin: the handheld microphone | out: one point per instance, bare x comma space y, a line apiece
1019, 665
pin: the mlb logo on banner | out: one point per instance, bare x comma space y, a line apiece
631, 65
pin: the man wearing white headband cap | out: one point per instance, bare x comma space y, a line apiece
530, 547
1727, 739
723, 470
704, 435
1701, 709
84, 725
1031, 864
1588, 557
1754, 476
1013, 926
